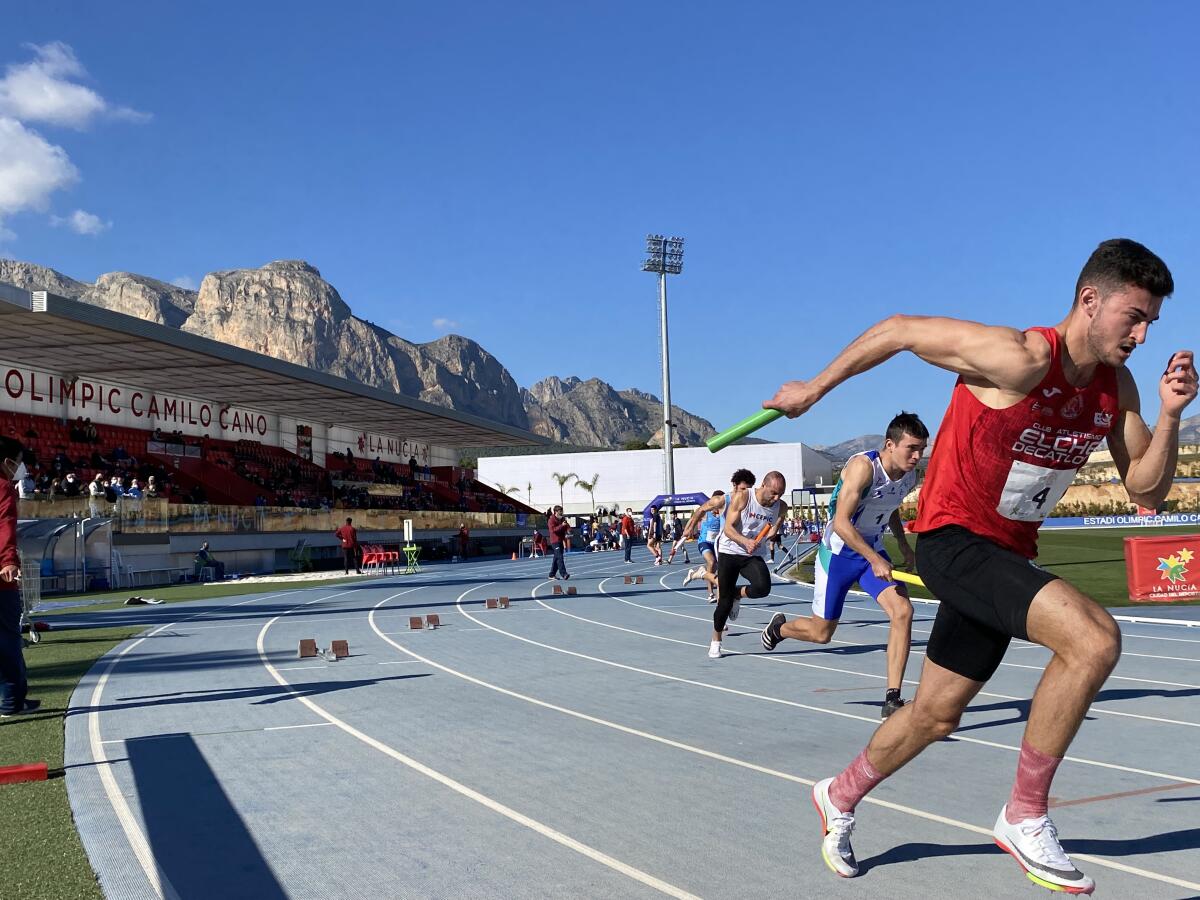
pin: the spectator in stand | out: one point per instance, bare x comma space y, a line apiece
627, 533
348, 537
78, 432
558, 528
113, 491
412, 464
151, 492
71, 486
464, 540
95, 494
13, 684
92, 436
25, 485
205, 560
61, 462
135, 490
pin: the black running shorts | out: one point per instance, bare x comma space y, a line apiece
985, 593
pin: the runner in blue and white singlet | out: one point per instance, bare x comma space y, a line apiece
864, 504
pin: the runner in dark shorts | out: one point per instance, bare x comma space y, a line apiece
1028, 409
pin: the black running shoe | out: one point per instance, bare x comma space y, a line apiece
892, 701
30, 706
770, 635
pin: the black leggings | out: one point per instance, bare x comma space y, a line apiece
729, 567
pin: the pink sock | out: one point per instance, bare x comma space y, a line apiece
859, 779
1035, 771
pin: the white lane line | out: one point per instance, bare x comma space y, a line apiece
754, 767
792, 703
471, 794
138, 843
396, 662
1098, 710
294, 727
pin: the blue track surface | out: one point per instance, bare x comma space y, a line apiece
585, 747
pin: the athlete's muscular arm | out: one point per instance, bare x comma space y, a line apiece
693, 524
1147, 462
897, 526
986, 355
856, 478
733, 518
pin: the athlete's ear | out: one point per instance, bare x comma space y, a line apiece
1089, 299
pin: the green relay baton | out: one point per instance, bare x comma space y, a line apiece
741, 429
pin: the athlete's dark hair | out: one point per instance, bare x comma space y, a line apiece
11, 448
743, 476
906, 423
718, 493
1123, 263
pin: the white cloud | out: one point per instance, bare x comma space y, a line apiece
444, 324
31, 169
42, 91
45, 90
82, 222
186, 282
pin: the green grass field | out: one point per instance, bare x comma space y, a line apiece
1092, 560
42, 857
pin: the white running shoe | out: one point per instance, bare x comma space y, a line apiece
689, 577
1033, 843
712, 598
836, 826
658, 562
714, 650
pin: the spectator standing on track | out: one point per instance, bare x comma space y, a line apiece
464, 540
558, 528
627, 533
13, 685
347, 535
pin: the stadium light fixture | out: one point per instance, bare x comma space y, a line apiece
664, 256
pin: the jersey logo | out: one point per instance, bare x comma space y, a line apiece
1073, 407
1103, 419
1051, 392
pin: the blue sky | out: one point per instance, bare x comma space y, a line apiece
495, 168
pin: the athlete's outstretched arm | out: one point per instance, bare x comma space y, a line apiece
1147, 462
990, 355
693, 523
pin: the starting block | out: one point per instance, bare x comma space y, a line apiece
339, 649
503, 602
416, 623
491, 603
629, 579
639, 580
571, 591
308, 649
558, 589
433, 620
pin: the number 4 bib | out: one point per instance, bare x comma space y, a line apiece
1031, 492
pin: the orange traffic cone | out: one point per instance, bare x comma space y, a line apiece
514, 556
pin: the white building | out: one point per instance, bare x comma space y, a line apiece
635, 477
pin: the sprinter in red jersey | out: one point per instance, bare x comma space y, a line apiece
1027, 410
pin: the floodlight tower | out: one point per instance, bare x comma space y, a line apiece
664, 256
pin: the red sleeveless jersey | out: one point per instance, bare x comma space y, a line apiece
999, 472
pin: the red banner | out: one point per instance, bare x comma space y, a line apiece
1160, 569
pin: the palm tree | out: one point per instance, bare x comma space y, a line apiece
507, 490
590, 487
529, 493
562, 480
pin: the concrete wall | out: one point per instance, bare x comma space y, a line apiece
634, 477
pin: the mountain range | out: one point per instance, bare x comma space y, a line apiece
285, 309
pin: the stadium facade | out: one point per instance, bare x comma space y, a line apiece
632, 478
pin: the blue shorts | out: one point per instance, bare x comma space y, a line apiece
834, 576
706, 547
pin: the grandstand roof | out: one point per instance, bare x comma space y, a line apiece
52, 333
